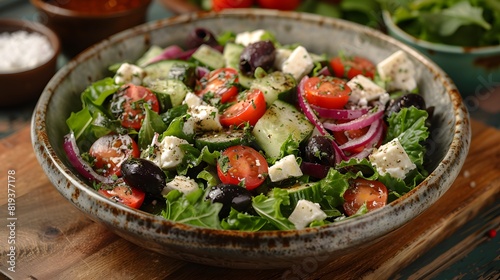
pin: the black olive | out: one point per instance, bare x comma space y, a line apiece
406, 101
258, 54
229, 195
200, 36
143, 174
319, 149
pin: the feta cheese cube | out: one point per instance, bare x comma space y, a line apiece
306, 212
281, 56
391, 158
129, 73
249, 37
364, 90
298, 64
192, 100
398, 72
205, 117
284, 168
181, 183
168, 154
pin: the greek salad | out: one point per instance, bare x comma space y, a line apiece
240, 132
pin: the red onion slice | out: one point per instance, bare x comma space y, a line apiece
201, 71
371, 144
339, 114
358, 123
171, 52
363, 140
324, 71
73, 153
311, 116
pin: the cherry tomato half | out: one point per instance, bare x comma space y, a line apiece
128, 105
110, 151
350, 67
124, 194
219, 5
361, 191
327, 92
250, 109
287, 5
242, 163
219, 84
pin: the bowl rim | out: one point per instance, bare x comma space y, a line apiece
32, 27
392, 27
452, 157
43, 5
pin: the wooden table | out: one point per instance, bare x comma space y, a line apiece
54, 240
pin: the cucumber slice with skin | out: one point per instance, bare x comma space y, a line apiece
280, 121
221, 140
209, 57
276, 85
307, 191
232, 53
171, 69
170, 92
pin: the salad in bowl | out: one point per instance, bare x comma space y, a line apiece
238, 131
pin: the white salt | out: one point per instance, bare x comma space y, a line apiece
22, 50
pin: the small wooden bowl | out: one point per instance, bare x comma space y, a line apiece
79, 30
24, 86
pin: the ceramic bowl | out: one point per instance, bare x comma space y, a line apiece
474, 70
449, 143
25, 85
86, 23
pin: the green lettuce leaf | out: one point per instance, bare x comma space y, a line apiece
243, 221
269, 208
152, 124
409, 125
192, 209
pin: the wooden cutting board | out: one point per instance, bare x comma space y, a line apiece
54, 240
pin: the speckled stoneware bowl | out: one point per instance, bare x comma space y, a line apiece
449, 143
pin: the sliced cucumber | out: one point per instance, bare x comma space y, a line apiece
209, 57
281, 120
232, 53
170, 92
307, 191
171, 69
276, 85
220, 140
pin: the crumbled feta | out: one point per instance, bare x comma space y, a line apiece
22, 50
398, 72
181, 183
249, 37
391, 158
168, 154
306, 212
365, 90
281, 56
284, 168
192, 100
129, 73
299, 63
205, 117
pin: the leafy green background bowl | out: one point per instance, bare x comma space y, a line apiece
473, 69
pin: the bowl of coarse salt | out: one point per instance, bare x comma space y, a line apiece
28, 60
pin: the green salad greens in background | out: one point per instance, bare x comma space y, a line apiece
470, 23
